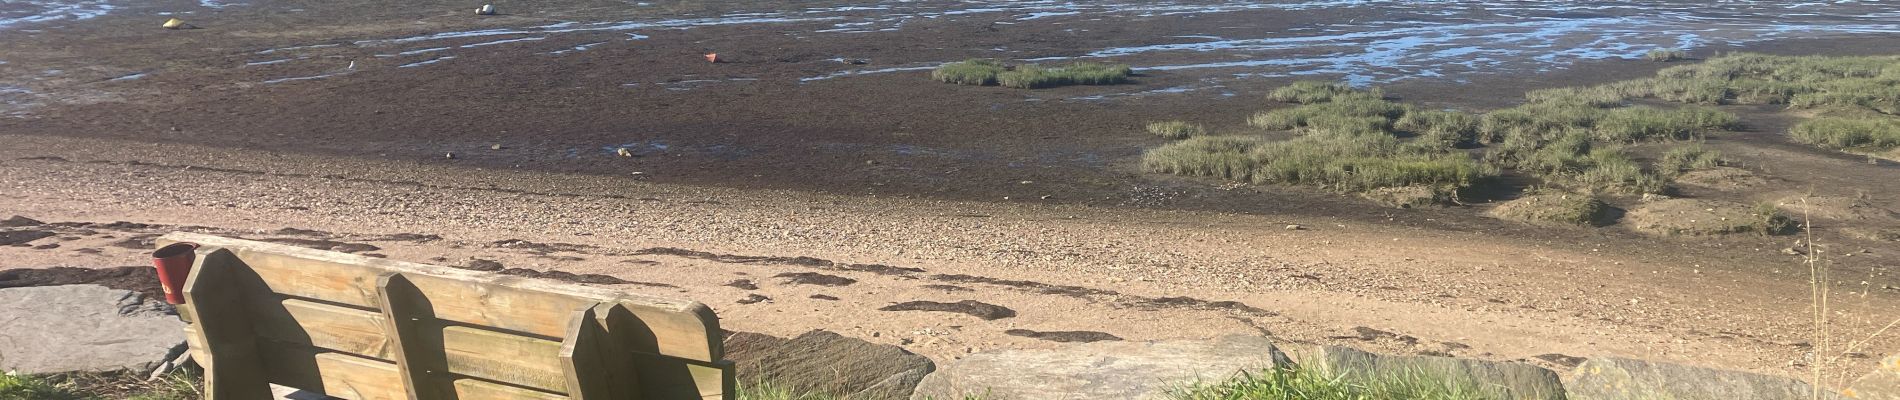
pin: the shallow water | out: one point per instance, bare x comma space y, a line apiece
1396, 40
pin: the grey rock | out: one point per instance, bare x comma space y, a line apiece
1499, 380
826, 362
1882, 384
1100, 370
55, 329
1621, 378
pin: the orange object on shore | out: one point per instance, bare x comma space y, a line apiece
712, 58
174, 267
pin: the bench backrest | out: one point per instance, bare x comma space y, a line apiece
364, 328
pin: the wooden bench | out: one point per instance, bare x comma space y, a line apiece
364, 328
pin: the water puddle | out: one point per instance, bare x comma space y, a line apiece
426, 62
503, 41
577, 48
130, 77
20, 13
868, 72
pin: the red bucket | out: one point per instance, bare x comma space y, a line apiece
174, 266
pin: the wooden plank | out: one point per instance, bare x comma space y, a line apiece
475, 389
502, 357
684, 379
592, 364
223, 334
331, 327
614, 324
716, 381
677, 328
194, 342
331, 373
421, 361
359, 378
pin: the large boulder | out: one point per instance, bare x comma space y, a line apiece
1621, 378
1882, 384
1100, 370
76, 328
826, 362
1499, 380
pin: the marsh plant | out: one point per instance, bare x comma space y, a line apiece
973, 72
1176, 130
985, 72
1854, 100
1666, 55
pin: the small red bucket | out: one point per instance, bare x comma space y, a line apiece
174, 266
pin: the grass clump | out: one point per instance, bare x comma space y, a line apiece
1310, 383
1310, 92
1666, 55
1347, 143
1175, 130
1871, 133
1354, 164
1342, 110
1081, 73
30, 388
1688, 158
1634, 124
985, 72
973, 72
1446, 128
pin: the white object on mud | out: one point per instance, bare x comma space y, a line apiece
175, 23
485, 9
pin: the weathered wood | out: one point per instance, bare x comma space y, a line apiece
356, 327
717, 380
331, 373
421, 360
331, 327
474, 389
614, 324
590, 362
223, 334
682, 329
503, 357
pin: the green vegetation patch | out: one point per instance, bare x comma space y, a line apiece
1444, 128
1872, 132
1576, 139
23, 387
985, 72
973, 72
1313, 383
1081, 73
1310, 92
100, 386
1175, 130
1688, 158
1859, 97
1665, 55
